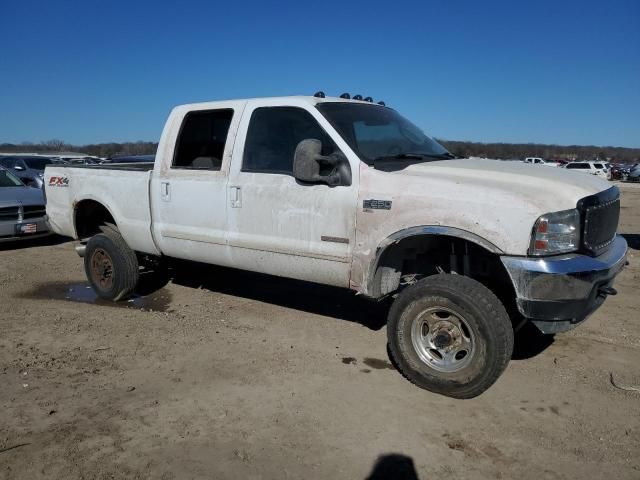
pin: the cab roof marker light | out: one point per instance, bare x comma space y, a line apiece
345, 95
368, 99
382, 103
319, 94
357, 97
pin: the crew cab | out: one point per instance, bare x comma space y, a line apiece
346, 192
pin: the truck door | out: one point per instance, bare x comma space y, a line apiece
188, 193
278, 225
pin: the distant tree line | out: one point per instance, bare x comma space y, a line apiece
103, 150
464, 149
549, 152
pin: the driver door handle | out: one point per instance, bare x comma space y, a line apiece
165, 191
236, 197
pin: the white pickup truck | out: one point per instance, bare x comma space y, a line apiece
346, 192
540, 161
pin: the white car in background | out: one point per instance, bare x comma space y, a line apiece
540, 161
600, 169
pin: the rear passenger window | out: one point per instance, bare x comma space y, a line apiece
274, 134
202, 139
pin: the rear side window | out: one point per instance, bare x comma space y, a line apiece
202, 139
274, 134
582, 166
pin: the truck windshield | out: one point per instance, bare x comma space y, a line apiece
375, 133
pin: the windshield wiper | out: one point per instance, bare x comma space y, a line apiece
390, 163
400, 156
441, 156
415, 156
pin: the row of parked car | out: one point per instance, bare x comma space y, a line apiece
22, 197
601, 169
30, 168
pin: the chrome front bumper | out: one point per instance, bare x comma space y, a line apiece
557, 293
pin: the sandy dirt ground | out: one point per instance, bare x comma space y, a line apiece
226, 374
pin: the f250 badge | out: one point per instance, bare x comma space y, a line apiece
376, 204
58, 182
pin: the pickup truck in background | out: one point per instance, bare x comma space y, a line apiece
349, 193
540, 161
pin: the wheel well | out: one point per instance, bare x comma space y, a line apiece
414, 257
89, 217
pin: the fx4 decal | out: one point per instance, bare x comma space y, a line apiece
58, 182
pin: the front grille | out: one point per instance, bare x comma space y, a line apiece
9, 213
600, 215
20, 213
33, 211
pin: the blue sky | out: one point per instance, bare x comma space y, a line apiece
565, 72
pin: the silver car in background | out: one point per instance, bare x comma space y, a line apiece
633, 175
22, 209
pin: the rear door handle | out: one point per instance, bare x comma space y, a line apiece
236, 197
165, 191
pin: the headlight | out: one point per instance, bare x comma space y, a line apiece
41, 174
557, 232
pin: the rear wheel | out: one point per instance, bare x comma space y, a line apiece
110, 265
450, 334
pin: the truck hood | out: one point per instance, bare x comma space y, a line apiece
551, 189
24, 195
498, 201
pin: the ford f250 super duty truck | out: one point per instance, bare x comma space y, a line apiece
346, 192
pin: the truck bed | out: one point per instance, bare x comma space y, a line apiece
122, 188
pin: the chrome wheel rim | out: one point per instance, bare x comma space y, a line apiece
442, 339
102, 269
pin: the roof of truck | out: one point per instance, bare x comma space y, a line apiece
311, 99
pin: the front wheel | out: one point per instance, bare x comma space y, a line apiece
111, 266
450, 334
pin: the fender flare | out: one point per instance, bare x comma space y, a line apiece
88, 198
433, 230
